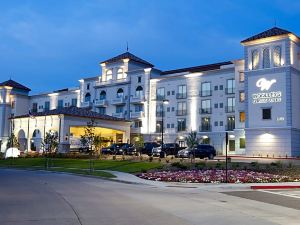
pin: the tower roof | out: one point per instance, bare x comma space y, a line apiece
14, 84
275, 31
128, 55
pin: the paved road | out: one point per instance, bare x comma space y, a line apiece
40, 198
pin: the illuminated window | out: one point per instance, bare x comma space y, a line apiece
255, 59
139, 91
242, 96
266, 114
120, 74
242, 117
242, 143
181, 125
160, 93
108, 75
241, 77
206, 89
277, 56
205, 106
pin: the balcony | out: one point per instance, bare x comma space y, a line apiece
137, 99
181, 129
181, 112
160, 114
119, 115
137, 115
181, 95
119, 101
205, 111
205, 128
230, 127
205, 93
101, 103
86, 104
111, 81
230, 109
160, 97
230, 91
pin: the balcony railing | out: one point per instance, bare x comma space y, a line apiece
205, 110
111, 81
181, 112
181, 95
229, 90
159, 114
181, 129
140, 114
160, 97
137, 99
205, 128
86, 104
119, 101
118, 115
205, 93
230, 109
101, 103
230, 127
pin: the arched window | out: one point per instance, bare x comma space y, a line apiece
108, 75
120, 93
102, 95
139, 91
87, 97
277, 56
266, 58
255, 59
120, 74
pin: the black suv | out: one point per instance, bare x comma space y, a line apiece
129, 149
114, 149
203, 151
148, 146
168, 149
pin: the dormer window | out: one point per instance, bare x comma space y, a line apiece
120, 74
266, 58
255, 59
108, 75
277, 56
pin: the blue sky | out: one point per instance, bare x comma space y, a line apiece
50, 44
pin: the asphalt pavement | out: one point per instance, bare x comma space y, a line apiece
43, 198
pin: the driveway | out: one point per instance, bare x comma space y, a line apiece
42, 198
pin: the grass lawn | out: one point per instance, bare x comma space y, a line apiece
81, 166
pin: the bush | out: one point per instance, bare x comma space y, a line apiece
150, 159
179, 165
201, 165
235, 165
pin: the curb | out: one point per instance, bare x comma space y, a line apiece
275, 187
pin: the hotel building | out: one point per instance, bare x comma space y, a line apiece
254, 99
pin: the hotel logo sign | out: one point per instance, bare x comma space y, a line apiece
264, 96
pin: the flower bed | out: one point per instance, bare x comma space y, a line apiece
215, 176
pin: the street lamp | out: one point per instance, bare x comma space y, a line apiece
164, 102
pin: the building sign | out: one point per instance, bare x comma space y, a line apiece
264, 96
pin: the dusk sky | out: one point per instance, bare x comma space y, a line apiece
49, 45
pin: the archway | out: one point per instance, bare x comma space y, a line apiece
22, 140
36, 140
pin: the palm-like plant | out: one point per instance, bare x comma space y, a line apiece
192, 140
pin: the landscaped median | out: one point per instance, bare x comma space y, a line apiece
81, 166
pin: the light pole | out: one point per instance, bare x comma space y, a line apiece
164, 102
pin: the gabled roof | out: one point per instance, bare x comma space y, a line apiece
201, 68
14, 84
73, 111
127, 55
275, 31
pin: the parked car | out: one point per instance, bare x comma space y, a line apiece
168, 149
148, 146
201, 151
84, 149
129, 149
114, 149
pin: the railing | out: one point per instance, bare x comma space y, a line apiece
230, 109
205, 93
230, 127
229, 90
118, 115
181, 95
119, 101
181, 129
111, 81
140, 114
137, 99
181, 112
102, 102
86, 104
205, 110
205, 127
159, 114
160, 97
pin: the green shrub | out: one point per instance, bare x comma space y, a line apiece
201, 165
150, 159
179, 165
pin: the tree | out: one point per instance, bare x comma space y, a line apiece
191, 141
12, 142
50, 142
139, 142
97, 143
